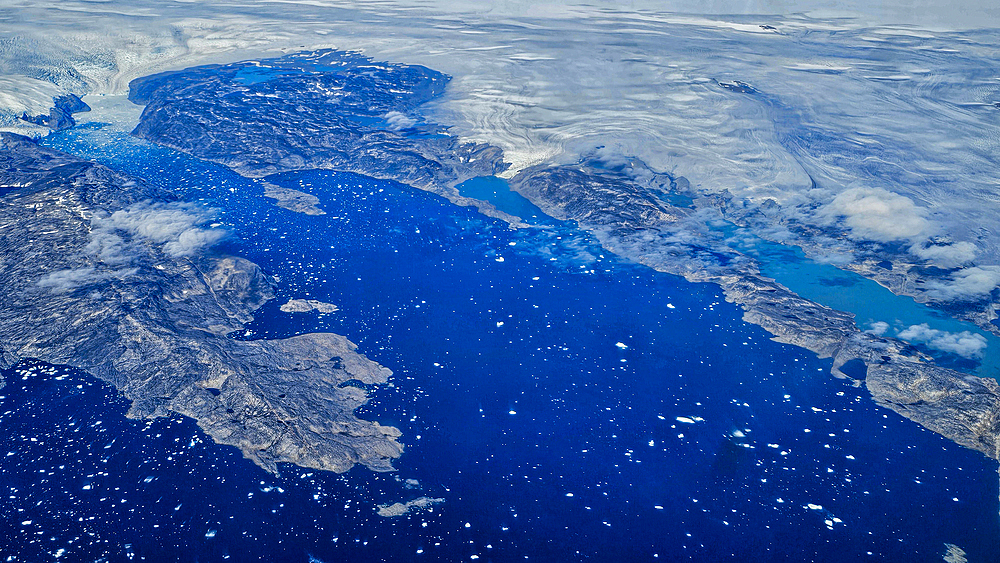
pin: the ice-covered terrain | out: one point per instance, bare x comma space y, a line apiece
872, 132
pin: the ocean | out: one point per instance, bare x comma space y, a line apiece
568, 406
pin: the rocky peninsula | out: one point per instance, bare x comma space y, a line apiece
118, 278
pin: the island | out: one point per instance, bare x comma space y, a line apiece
307, 305
293, 200
401, 508
60, 117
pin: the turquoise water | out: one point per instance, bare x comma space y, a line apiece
866, 299
822, 283
496, 191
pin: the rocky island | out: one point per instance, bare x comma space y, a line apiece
117, 278
60, 117
293, 200
307, 305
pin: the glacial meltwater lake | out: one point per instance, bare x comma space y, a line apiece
566, 404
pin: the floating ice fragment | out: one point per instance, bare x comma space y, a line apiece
499, 324
621, 345
511, 412
685, 420
569, 494
210, 534
670, 306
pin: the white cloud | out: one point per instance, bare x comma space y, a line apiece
68, 279
174, 225
876, 214
397, 121
63, 280
965, 343
965, 284
950, 255
192, 240
115, 240
107, 246
878, 328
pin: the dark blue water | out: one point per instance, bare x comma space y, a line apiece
567, 406
822, 283
256, 75
81, 483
